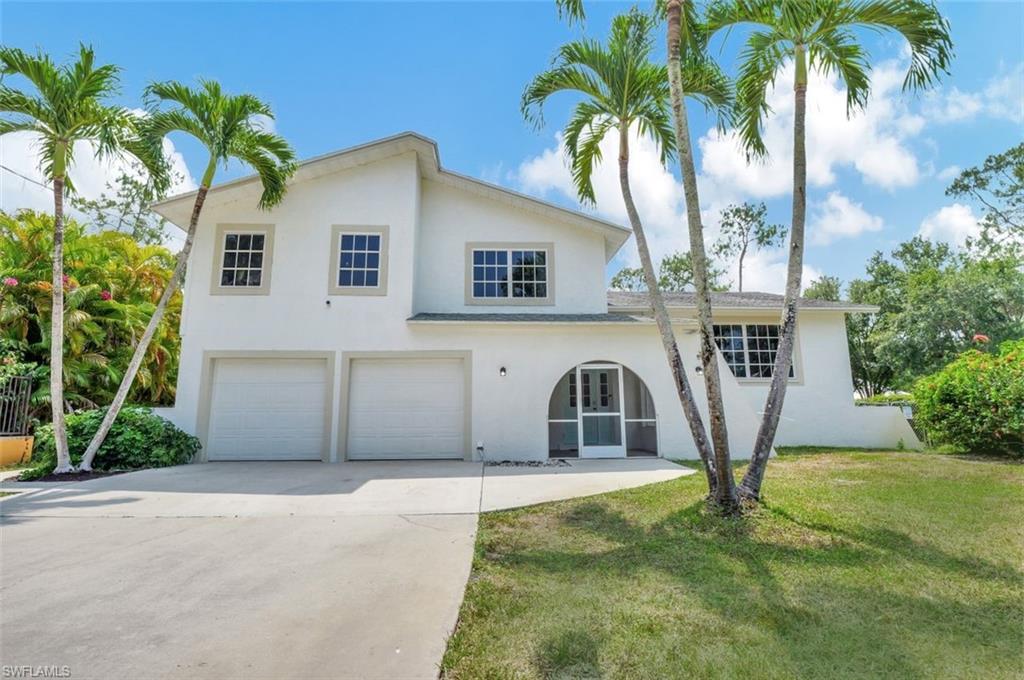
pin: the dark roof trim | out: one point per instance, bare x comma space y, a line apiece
525, 318
629, 301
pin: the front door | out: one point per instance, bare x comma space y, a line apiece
601, 427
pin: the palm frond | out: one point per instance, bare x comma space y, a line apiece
920, 23
762, 58
836, 51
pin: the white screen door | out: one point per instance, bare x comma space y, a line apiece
601, 425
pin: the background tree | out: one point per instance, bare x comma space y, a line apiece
744, 228
124, 207
675, 274
67, 108
998, 186
932, 302
623, 92
824, 288
814, 35
228, 127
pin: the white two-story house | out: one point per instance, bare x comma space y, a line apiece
392, 309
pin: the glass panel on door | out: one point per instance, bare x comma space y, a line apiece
600, 406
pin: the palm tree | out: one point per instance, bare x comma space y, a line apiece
698, 74
623, 91
227, 125
68, 107
814, 34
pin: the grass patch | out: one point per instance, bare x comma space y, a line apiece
859, 565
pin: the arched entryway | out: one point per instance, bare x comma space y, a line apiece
606, 407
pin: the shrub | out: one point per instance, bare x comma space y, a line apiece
139, 439
976, 403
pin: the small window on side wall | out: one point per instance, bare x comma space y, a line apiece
358, 264
242, 260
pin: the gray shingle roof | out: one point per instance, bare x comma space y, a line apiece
630, 300
491, 317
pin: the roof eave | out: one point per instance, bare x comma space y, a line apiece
847, 309
615, 235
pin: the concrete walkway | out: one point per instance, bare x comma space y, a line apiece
259, 570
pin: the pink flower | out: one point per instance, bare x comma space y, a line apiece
66, 279
10, 281
980, 337
105, 295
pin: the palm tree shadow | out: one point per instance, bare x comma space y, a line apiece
733, 570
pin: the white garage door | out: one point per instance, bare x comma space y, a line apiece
406, 408
268, 409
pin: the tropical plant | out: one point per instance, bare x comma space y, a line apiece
113, 284
624, 94
976, 403
744, 228
675, 275
139, 440
67, 108
230, 128
814, 34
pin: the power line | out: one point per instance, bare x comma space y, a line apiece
105, 213
25, 177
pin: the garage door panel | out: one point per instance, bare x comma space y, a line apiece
268, 409
406, 408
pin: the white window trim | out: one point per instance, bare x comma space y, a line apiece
334, 260
797, 366
547, 247
218, 259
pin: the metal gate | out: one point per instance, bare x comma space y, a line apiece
14, 396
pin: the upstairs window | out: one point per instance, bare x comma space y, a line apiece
749, 349
520, 275
359, 257
359, 261
242, 260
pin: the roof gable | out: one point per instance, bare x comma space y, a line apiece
177, 209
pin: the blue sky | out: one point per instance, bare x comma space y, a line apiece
339, 74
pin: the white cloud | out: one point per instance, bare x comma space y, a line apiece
20, 152
952, 224
873, 141
765, 271
658, 197
838, 217
264, 123
1002, 97
949, 173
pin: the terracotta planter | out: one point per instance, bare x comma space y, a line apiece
15, 450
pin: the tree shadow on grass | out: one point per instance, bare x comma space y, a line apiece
850, 626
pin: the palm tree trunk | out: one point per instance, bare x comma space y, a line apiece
750, 488
668, 339
147, 336
725, 485
60, 436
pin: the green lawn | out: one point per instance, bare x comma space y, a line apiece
860, 564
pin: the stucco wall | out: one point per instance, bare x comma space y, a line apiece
451, 218
819, 407
509, 414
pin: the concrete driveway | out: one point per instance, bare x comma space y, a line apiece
259, 570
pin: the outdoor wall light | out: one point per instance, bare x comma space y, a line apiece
502, 372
